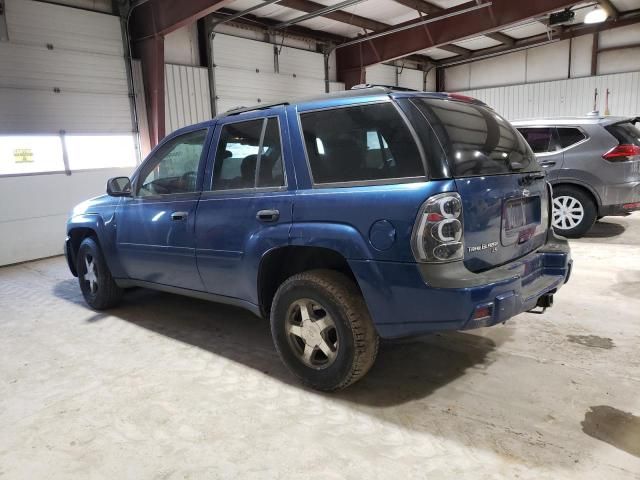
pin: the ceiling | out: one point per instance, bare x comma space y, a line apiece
377, 15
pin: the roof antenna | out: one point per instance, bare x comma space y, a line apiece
594, 112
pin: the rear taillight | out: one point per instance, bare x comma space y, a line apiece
438, 231
623, 153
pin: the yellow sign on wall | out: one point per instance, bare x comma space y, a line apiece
23, 155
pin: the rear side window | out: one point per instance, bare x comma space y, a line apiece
245, 148
626, 133
540, 139
568, 136
360, 143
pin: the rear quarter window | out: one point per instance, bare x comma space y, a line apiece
569, 136
476, 139
360, 143
625, 132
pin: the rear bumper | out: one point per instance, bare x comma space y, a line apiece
620, 199
407, 299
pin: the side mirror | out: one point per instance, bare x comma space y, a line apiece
119, 187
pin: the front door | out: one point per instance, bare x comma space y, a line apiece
545, 144
155, 228
246, 208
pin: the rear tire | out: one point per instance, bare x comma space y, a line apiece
98, 287
322, 329
574, 211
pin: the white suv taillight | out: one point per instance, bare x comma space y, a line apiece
438, 232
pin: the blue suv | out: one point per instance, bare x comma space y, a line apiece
342, 219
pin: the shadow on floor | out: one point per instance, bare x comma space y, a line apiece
605, 229
406, 370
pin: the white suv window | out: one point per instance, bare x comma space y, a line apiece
568, 136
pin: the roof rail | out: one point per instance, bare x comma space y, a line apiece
390, 87
243, 109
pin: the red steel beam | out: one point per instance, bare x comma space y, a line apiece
151, 52
499, 15
542, 39
159, 17
148, 24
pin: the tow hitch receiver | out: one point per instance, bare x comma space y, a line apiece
544, 302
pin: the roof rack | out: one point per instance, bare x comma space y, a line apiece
243, 109
390, 87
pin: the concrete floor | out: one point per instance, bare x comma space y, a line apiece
172, 388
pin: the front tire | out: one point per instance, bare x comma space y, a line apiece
322, 329
96, 283
574, 211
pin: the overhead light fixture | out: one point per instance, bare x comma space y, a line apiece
597, 15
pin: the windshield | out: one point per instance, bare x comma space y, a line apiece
476, 139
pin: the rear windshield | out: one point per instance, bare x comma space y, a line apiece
625, 132
360, 143
476, 139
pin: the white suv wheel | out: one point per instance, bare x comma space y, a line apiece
568, 212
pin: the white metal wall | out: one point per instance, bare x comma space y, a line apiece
80, 54
407, 77
564, 97
62, 69
554, 61
186, 100
245, 72
381, 74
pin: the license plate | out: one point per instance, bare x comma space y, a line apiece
515, 215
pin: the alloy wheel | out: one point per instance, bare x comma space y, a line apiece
91, 275
312, 334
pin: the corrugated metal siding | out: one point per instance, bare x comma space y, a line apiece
245, 73
42, 69
564, 97
233, 90
37, 111
303, 63
141, 107
39, 23
186, 97
84, 64
242, 53
409, 78
381, 74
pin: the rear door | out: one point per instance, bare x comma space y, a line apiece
246, 204
503, 189
545, 143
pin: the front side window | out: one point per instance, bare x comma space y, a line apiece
174, 167
246, 148
539, 139
360, 143
568, 136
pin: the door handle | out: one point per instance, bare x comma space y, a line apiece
268, 215
179, 215
547, 163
